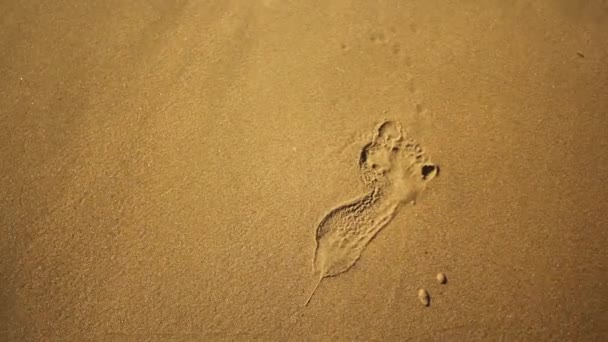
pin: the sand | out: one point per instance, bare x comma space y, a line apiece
166, 166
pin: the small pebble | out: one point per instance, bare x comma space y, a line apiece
424, 297
441, 278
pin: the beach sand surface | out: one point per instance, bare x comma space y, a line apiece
165, 167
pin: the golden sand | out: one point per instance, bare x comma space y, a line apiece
173, 170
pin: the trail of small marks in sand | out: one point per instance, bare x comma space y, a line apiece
395, 170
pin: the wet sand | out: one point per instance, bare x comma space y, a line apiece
166, 166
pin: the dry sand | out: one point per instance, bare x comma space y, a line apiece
165, 165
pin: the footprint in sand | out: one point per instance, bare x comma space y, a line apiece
395, 170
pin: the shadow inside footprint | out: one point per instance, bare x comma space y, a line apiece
430, 171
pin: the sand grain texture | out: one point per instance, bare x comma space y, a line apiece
164, 165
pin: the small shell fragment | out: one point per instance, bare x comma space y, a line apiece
441, 278
424, 297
